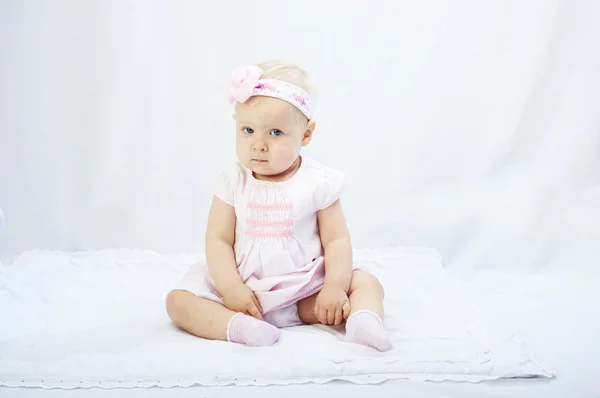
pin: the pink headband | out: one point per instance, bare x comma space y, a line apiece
246, 82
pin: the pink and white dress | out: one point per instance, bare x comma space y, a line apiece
277, 244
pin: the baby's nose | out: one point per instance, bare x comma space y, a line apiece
259, 145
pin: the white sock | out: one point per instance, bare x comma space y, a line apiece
366, 328
245, 329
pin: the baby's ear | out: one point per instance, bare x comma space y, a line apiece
234, 116
308, 133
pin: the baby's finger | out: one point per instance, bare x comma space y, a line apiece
323, 316
330, 316
254, 312
346, 310
338, 317
316, 310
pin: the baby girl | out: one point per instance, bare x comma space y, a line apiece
278, 251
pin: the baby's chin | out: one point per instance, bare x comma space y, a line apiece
266, 169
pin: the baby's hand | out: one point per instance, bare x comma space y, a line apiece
332, 306
241, 298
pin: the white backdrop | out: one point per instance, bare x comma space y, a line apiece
469, 126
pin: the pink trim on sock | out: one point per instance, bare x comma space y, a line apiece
244, 329
366, 328
365, 311
229, 325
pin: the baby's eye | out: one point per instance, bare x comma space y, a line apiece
247, 130
276, 132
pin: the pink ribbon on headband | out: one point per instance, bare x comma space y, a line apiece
242, 83
246, 82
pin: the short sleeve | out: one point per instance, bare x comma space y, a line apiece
330, 188
225, 186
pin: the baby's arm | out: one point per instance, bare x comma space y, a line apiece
220, 237
335, 239
332, 304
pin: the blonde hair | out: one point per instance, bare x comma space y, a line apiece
288, 72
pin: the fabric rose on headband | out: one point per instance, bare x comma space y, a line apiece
243, 81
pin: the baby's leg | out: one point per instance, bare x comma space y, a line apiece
306, 310
365, 323
213, 321
366, 293
198, 316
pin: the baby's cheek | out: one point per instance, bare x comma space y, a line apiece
288, 149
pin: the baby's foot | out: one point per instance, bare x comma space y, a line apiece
244, 329
366, 328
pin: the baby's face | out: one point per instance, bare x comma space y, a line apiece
270, 134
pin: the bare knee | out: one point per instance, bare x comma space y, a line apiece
365, 280
177, 303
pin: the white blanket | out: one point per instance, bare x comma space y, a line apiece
97, 319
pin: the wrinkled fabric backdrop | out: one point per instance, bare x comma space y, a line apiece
470, 127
